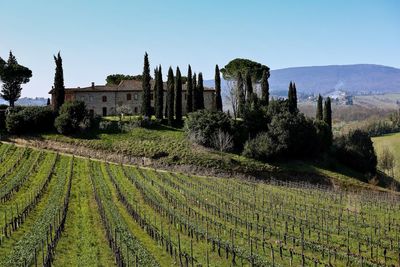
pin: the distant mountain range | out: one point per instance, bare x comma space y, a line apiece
27, 101
358, 79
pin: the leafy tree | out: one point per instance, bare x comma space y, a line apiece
72, 115
356, 151
115, 79
189, 90
160, 94
178, 96
201, 126
319, 115
146, 101
265, 88
58, 88
328, 112
218, 98
242, 66
241, 96
195, 93
29, 119
13, 76
249, 86
170, 97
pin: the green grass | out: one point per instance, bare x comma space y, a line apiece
84, 242
391, 142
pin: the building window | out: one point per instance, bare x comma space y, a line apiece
104, 111
135, 96
128, 96
90, 98
91, 112
136, 110
104, 98
151, 96
82, 98
185, 96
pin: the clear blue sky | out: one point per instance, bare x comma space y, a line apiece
97, 38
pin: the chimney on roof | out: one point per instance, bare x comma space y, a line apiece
92, 85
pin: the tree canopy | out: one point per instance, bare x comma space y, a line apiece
115, 79
13, 75
231, 70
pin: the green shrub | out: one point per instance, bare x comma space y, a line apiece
202, 125
29, 120
288, 136
72, 116
356, 151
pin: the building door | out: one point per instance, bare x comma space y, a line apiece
104, 111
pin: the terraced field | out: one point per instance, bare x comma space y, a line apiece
65, 211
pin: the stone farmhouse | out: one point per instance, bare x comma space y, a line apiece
104, 100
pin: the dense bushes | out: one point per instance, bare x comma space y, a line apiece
29, 119
72, 116
202, 125
356, 151
288, 136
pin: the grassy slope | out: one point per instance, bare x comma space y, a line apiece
392, 142
149, 143
83, 243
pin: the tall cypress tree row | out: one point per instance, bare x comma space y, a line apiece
218, 98
189, 91
160, 95
249, 86
59, 89
240, 95
170, 97
328, 112
178, 96
146, 101
319, 115
200, 91
265, 88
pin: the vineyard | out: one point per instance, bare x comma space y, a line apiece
66, 211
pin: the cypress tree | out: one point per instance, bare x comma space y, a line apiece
48, 102
200, 91
178, 96
249, 86
195, 99
189, 90
155, 91
319, 115
218, 98
170, 97
265, 88
146, 101
241, 95
328, 112
294, 96
160, 95
59, 88
291, 98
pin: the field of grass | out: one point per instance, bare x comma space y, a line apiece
391, 142
74, 211
163, 144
